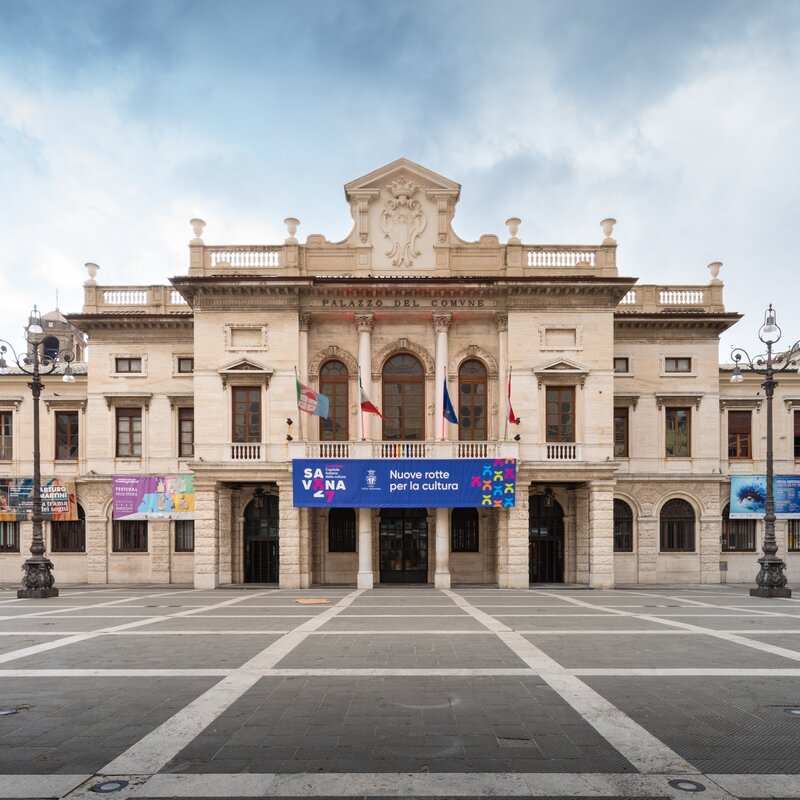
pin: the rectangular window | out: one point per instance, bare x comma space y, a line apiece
621, 432
68, 536
185, 364
128, 365
739, 434
796, 435
129, 432
342, 530
66, 435
560, 413
794, 536
738, 535
130, 536
621, 365
6, 439
246, 413
184, 536
464, 531
9, 537
185, 432
682, 364
678, 432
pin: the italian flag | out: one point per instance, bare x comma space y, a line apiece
366, 404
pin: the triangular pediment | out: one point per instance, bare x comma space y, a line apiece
244, 371
561, 371
561, 365
402, 168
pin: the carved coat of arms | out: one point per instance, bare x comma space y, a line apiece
402, 222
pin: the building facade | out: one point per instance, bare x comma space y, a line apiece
628, 433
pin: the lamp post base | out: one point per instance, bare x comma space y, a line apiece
37, 583
771, 591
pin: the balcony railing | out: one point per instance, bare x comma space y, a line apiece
389, 450
561, 451
248, 451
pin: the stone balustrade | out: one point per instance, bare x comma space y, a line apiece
158, 299
656, 298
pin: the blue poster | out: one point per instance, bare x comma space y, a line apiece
749, 496
404, 483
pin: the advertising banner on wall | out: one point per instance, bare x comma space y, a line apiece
406, 483
749, 496
16, 499
153, 496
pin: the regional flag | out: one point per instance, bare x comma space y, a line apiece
310, 401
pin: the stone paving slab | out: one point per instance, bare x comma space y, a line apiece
720, 726
654, 651
448, 623
341, 724
756, 623
76, 726
402, 650
148, 652
791, 641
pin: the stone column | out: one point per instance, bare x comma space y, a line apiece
501, 320
441, 577
304, 323
512, 555
206, 537
441, 324
708, 545
305, 547
647, 548
364, 323
289, 533
225, 528
95, 498
582, 534
159, 533
601, 535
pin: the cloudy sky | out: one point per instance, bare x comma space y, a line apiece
122, 119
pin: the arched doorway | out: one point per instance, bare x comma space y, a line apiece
261, 553
404, 545
545, 539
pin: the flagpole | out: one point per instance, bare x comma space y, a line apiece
444, 386
360, 410
508, 404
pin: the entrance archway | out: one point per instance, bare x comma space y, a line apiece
261, 551
404, 545
545, 539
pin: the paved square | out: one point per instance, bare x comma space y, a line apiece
404, 691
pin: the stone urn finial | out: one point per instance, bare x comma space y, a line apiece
92, 270
197, 228
608, 228
291, 226
513, 226
714, 268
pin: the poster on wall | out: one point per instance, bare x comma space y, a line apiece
749, 496
153, 497
58, 499
406, 483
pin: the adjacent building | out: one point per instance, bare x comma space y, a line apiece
623, 436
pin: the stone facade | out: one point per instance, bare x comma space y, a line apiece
602, 369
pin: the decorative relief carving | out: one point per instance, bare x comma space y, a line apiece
379, 358
402, 222
333, 352
363, 322
441, 322
501, 321
304, 321
473, 351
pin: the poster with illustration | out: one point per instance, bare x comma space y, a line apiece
153, 496
749, 496
58, 499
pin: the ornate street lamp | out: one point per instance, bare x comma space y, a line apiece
38, 579
770, 579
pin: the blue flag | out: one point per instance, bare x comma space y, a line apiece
448, 412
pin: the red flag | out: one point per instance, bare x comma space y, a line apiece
366, 403
511, 418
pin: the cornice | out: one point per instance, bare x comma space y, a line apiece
66, 403
682, 399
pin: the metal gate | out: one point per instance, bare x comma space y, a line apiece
545, 540
404, 545
261, 550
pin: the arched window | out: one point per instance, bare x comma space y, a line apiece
403, 399
69, 536
472, 401
623, 527
342, 530
9, 537
738, 535
464, 530
333, 384
677, 527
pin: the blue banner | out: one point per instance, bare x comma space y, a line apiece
749, 496
405, 483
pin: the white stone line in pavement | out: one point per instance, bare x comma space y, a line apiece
432, 784
82, 637
749, 609
744, 786
649, 632
647, 753
426, 672
764, 647
157, 748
